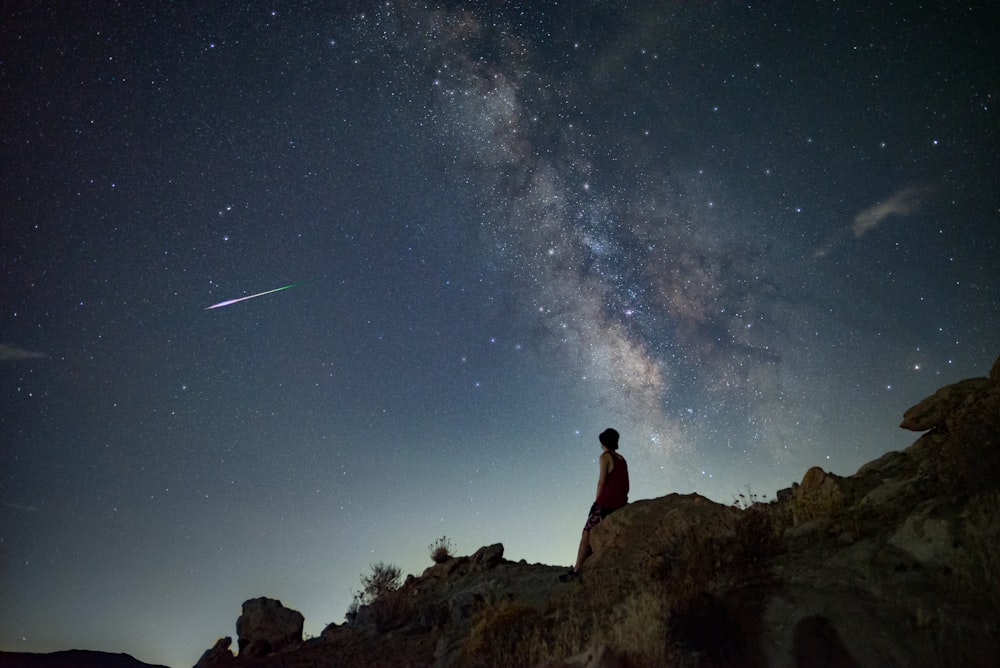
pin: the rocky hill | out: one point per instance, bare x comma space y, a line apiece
74, 658
891, 566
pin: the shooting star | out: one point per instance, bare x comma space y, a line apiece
243, 299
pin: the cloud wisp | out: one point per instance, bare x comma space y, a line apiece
903, 202
900, 203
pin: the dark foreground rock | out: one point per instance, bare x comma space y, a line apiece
891, 566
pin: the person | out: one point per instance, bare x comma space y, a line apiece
612, 494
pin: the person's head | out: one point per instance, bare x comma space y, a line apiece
609, 439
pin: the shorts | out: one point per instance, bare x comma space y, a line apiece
597, 513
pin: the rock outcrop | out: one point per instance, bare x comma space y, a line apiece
266, 626
219, 655
890, 566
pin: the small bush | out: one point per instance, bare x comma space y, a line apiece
440, 550
639, 626
758, 537
352, 610
380, 603
384, 578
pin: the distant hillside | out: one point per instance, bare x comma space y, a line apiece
74, 658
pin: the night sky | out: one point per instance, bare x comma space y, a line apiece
748, 236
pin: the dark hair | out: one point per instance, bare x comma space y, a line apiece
609, 439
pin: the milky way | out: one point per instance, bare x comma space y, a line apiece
616, 263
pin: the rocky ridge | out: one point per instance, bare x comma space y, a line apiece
890, 566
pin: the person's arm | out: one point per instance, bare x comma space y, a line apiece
605, 465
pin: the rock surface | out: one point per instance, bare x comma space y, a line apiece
934, 410
266, 627
891, 566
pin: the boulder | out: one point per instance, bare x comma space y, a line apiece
819, 495
266, 626
934, 410
487, 557
643, 536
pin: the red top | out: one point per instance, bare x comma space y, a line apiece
614, 494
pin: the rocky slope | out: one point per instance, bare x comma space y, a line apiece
891, 566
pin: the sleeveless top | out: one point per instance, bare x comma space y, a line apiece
614, 494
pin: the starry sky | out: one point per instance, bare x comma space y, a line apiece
746, 235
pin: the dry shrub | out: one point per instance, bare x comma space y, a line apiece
638, 629
510, 633
748, 498
632, 623
382, 579
757, 539
440, 550
380, 603
624, 612
699, 560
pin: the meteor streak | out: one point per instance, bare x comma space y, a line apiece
243, 299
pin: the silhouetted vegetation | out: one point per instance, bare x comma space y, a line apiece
440, 550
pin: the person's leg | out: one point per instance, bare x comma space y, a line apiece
584, 551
